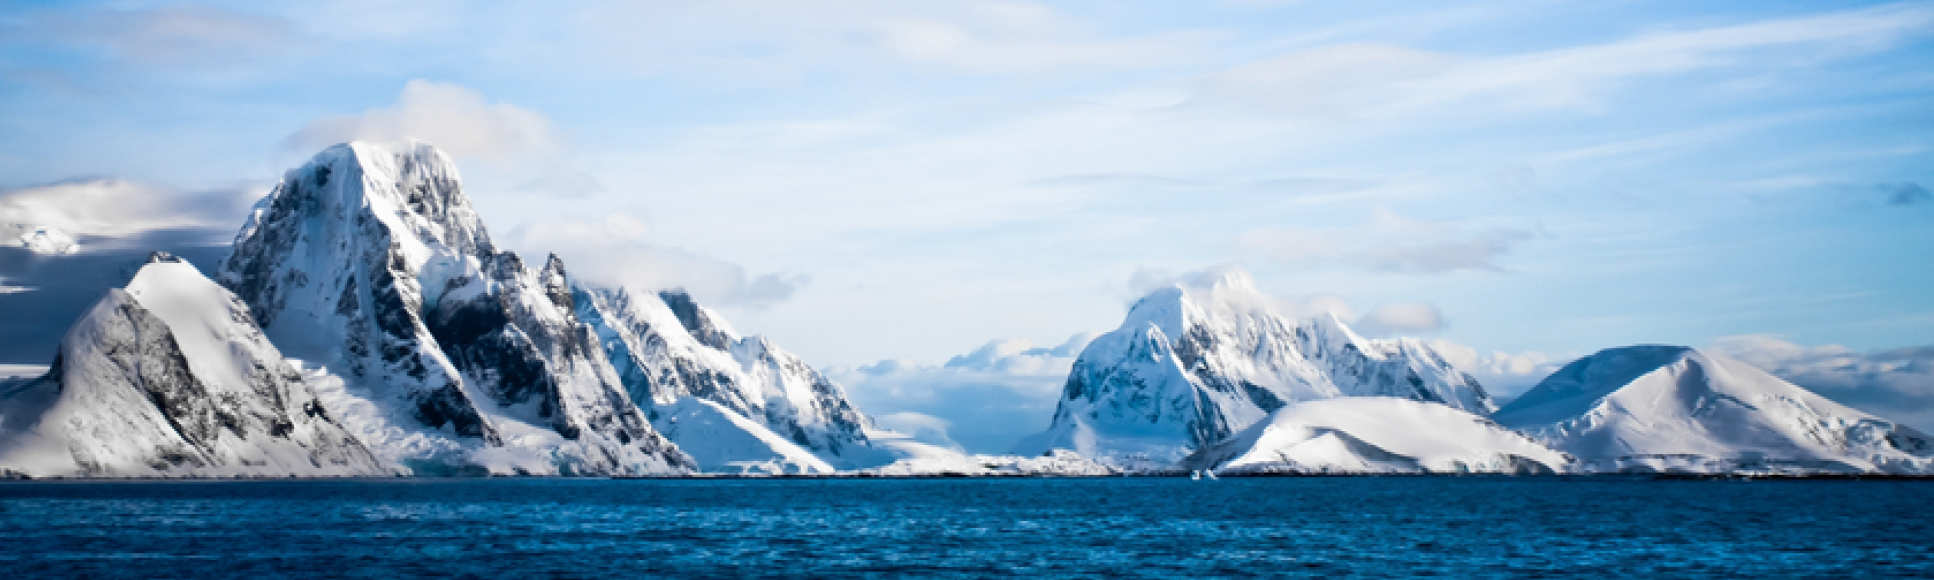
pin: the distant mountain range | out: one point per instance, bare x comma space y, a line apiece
366, 324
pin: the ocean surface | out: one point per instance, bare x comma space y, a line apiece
967, 527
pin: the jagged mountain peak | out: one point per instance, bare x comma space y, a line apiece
700, 321
414, 190
1228, 295
371, 261
672, 352
1203, 358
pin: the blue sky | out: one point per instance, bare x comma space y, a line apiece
908, 181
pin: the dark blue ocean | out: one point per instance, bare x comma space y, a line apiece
1138, 527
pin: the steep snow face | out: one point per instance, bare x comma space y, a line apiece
723, 441
672, 353
171, 377
372, 264
340, 260
1196, 362
1670, 408
1377, 435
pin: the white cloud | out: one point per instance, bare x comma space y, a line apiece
176, 34
1028, 37
456, 119
106, 211
921, 426
1391, 243
1503, 374
615, 251
1401, 318
987, 399
1896, 384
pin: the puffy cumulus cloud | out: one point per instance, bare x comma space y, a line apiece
1504, 374
984, 400
615, 251
1897, 384
1389, 242
455, 118
1401, 318
82, 215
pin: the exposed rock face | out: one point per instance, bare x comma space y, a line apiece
668, 351
374, 264
171, 377
1673, 408
1196, 362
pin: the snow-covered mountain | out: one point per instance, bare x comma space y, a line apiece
1671, 408
1376, 435
40, 239
1198, 361
169, 376
449, 354
758, 404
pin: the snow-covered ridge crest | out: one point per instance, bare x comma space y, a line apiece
1673, 408
1199, 360
170, 377
673, 354
372, 263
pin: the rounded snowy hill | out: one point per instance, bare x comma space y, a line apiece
1363, 435
1673, 408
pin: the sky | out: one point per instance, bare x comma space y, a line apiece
930, 199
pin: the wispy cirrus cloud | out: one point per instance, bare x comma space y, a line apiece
617, 251
1391, 243
457, 119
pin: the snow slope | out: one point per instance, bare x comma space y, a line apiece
1672, 408
1201, 360
171, 377
914, 458
1376, 435
723, 441
371, 265
669, 352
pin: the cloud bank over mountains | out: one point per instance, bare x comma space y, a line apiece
1895, 382
983, 400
